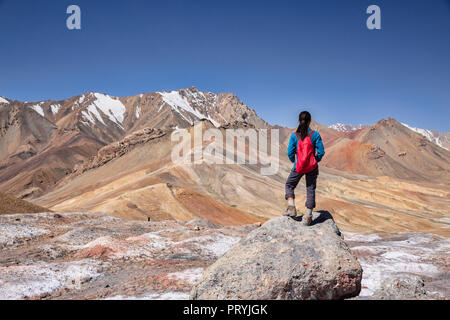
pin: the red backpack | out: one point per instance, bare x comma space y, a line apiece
306, 160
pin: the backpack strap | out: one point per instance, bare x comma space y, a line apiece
310, 134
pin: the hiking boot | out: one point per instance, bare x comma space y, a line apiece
307, 217
290, 212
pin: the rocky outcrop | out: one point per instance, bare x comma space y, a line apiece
285, 260
118, 149
375, 153
238, 125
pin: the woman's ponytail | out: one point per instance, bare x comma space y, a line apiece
304, 120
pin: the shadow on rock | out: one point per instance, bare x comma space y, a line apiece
318, 217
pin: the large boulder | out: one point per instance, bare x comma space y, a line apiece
285, 260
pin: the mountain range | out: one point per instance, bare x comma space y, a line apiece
41, 142
439, 138
95, 152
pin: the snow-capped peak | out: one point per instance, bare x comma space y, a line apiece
345, 127
432, 136
112, 108
3, 100
181, 105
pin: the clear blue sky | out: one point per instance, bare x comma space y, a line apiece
277, 56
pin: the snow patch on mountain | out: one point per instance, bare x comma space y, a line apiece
345, 127
3, 100
55, 108
180, 104
432, 136
138, 112
81, 99
38, 108
88, 115
113, 108
110, 107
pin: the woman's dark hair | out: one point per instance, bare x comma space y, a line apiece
304, 119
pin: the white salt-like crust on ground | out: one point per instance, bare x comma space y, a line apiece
189, 275
19, 282
350, 236
171, 295
215, 244
386, 259
10, 233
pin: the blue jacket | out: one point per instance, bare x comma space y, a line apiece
316, 139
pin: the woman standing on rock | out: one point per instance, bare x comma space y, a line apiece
305, 150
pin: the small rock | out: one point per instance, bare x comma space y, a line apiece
402, 288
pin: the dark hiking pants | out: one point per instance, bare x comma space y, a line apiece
311, 179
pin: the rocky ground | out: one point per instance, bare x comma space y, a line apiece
96, 256
394, 255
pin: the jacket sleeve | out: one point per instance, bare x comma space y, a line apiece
318, 144
292, 149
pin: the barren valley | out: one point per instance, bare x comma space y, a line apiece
127, 222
